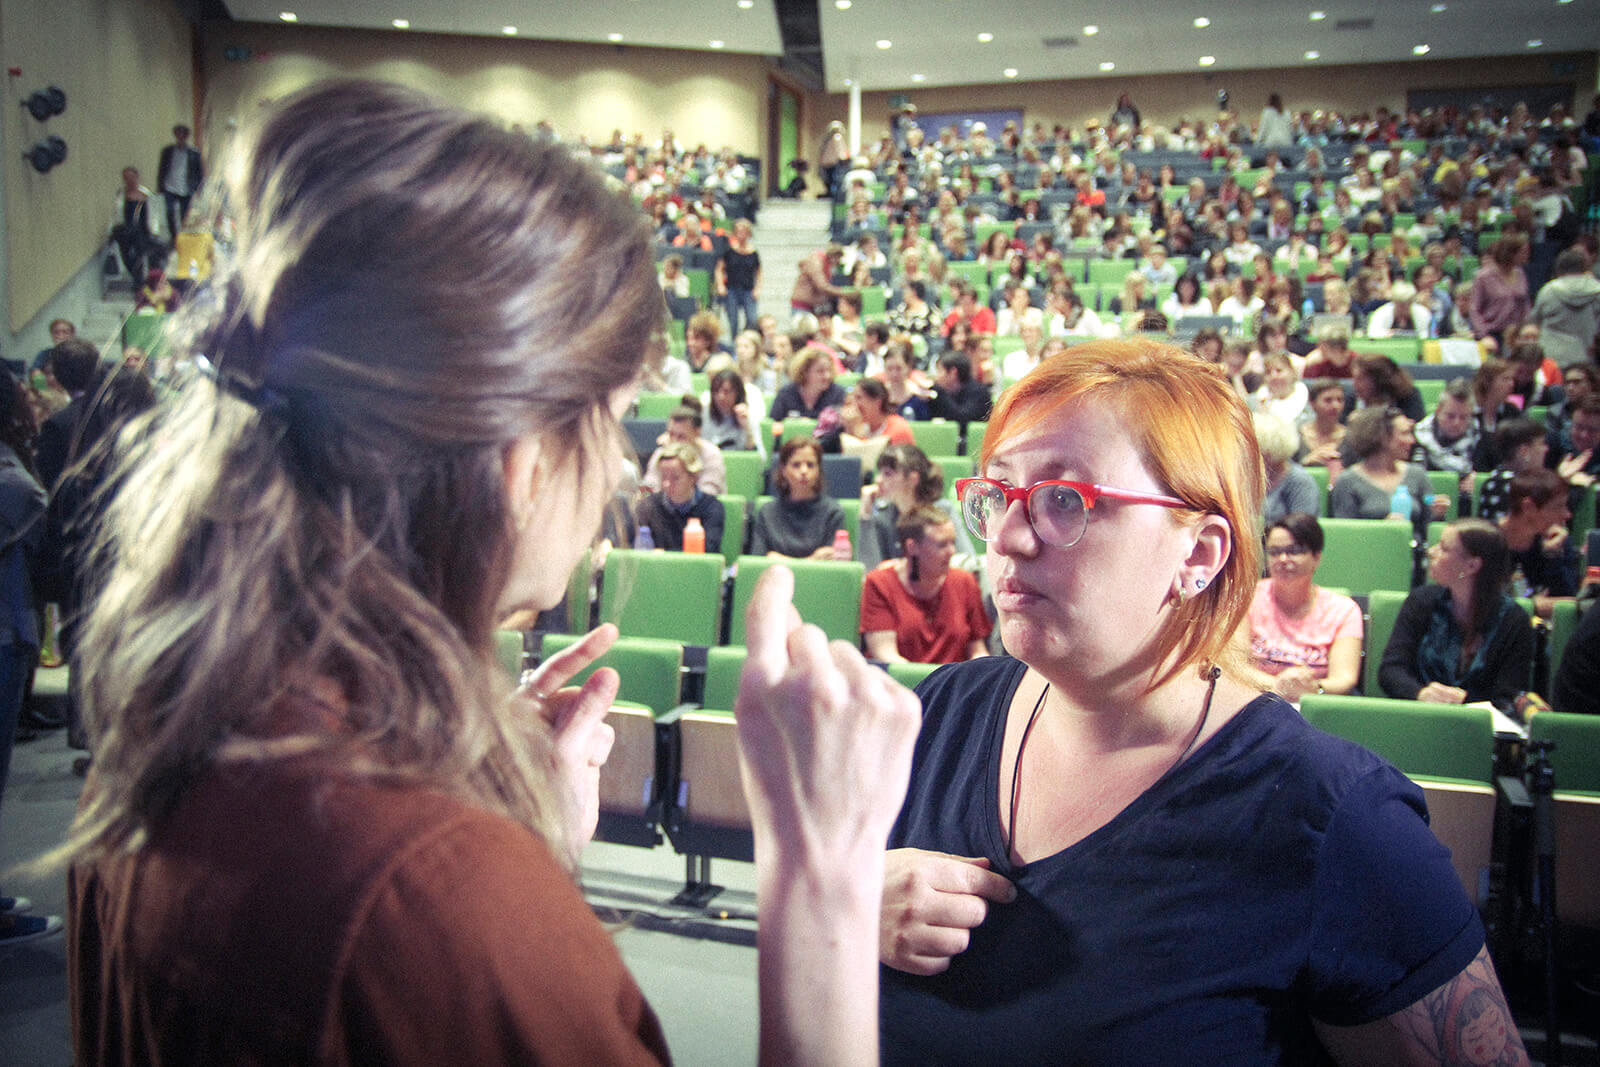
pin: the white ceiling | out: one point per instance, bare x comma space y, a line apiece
935, 42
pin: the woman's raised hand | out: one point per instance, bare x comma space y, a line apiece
825, 738
580, 739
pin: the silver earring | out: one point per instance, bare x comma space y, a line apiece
1199, 585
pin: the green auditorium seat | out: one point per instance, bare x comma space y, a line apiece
938, 437
1366, 554
1576, 763
826, 593
671, 595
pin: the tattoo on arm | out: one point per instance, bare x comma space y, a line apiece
1464, 1021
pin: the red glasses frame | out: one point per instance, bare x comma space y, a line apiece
1088, 491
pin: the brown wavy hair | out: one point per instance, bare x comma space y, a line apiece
415, 289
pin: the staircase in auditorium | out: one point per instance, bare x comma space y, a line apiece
788, 229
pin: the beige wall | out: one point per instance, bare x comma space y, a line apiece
126, 68
708, 97
1163, 99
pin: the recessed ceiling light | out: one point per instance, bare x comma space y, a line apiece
402, 24
1201, 23
885, 44
1010, 72
1536, 43
919, 77
842, 5
985, 38
1313, 54
848, 82
1108, 65
509, 31
746, 5
1420, 50
1438, 9
288, 16
1318, 16
717, 44
1090, 31
613, 37
1206, 61
1563, 1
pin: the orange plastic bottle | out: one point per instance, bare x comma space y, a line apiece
694, 536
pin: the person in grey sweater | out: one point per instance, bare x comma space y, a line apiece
1289, 487
1568, 310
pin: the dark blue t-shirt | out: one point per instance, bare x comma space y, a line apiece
1278, 874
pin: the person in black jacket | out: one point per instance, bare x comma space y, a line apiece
957, 395
75, 364
179, 175
1460, 639
680, 499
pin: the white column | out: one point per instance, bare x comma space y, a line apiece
855, 117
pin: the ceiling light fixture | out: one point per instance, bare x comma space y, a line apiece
1090, 31
1313, 54
746, 5
1010, 72
842, 5
402, 24
985, 38
1420, 50
919, 77
1438, 9
1536, 43
1206, 61
613, 37
717, 44
288, 16
885, 44
509, 31
1318, 16
1201, 23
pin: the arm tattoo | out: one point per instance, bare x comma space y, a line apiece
1464, 1021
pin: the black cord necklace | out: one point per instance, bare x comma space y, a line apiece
1016, 766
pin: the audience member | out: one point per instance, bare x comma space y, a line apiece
1323, 433
60, 330
810, 389
1448, 437
906, 479
801, 521
1378, 447
683, 427
870, 423
1544, 564
1521, 446
738, 277
1307, 638
75, 366
728, 403
1282, 393
1379, 381
1460, 639
908, 391
677, 466
1499, 296
957, 395
136, 227
1289, 487
1567, 309
1332, 358
22, 512
919, 608
1576, 688
179, 173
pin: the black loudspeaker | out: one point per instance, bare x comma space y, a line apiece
44, 104
46, 154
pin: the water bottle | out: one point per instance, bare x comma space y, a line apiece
1400, 503
1308, 308
694, 536
841, 545
644, 539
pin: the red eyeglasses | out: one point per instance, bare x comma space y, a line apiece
1059, 514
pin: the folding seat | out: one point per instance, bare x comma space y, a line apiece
1366, 554
937, 437
826, 593
676, 596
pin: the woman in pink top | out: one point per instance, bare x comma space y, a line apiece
1307, 638
1500, 299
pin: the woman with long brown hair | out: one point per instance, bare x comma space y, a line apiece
320, 827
